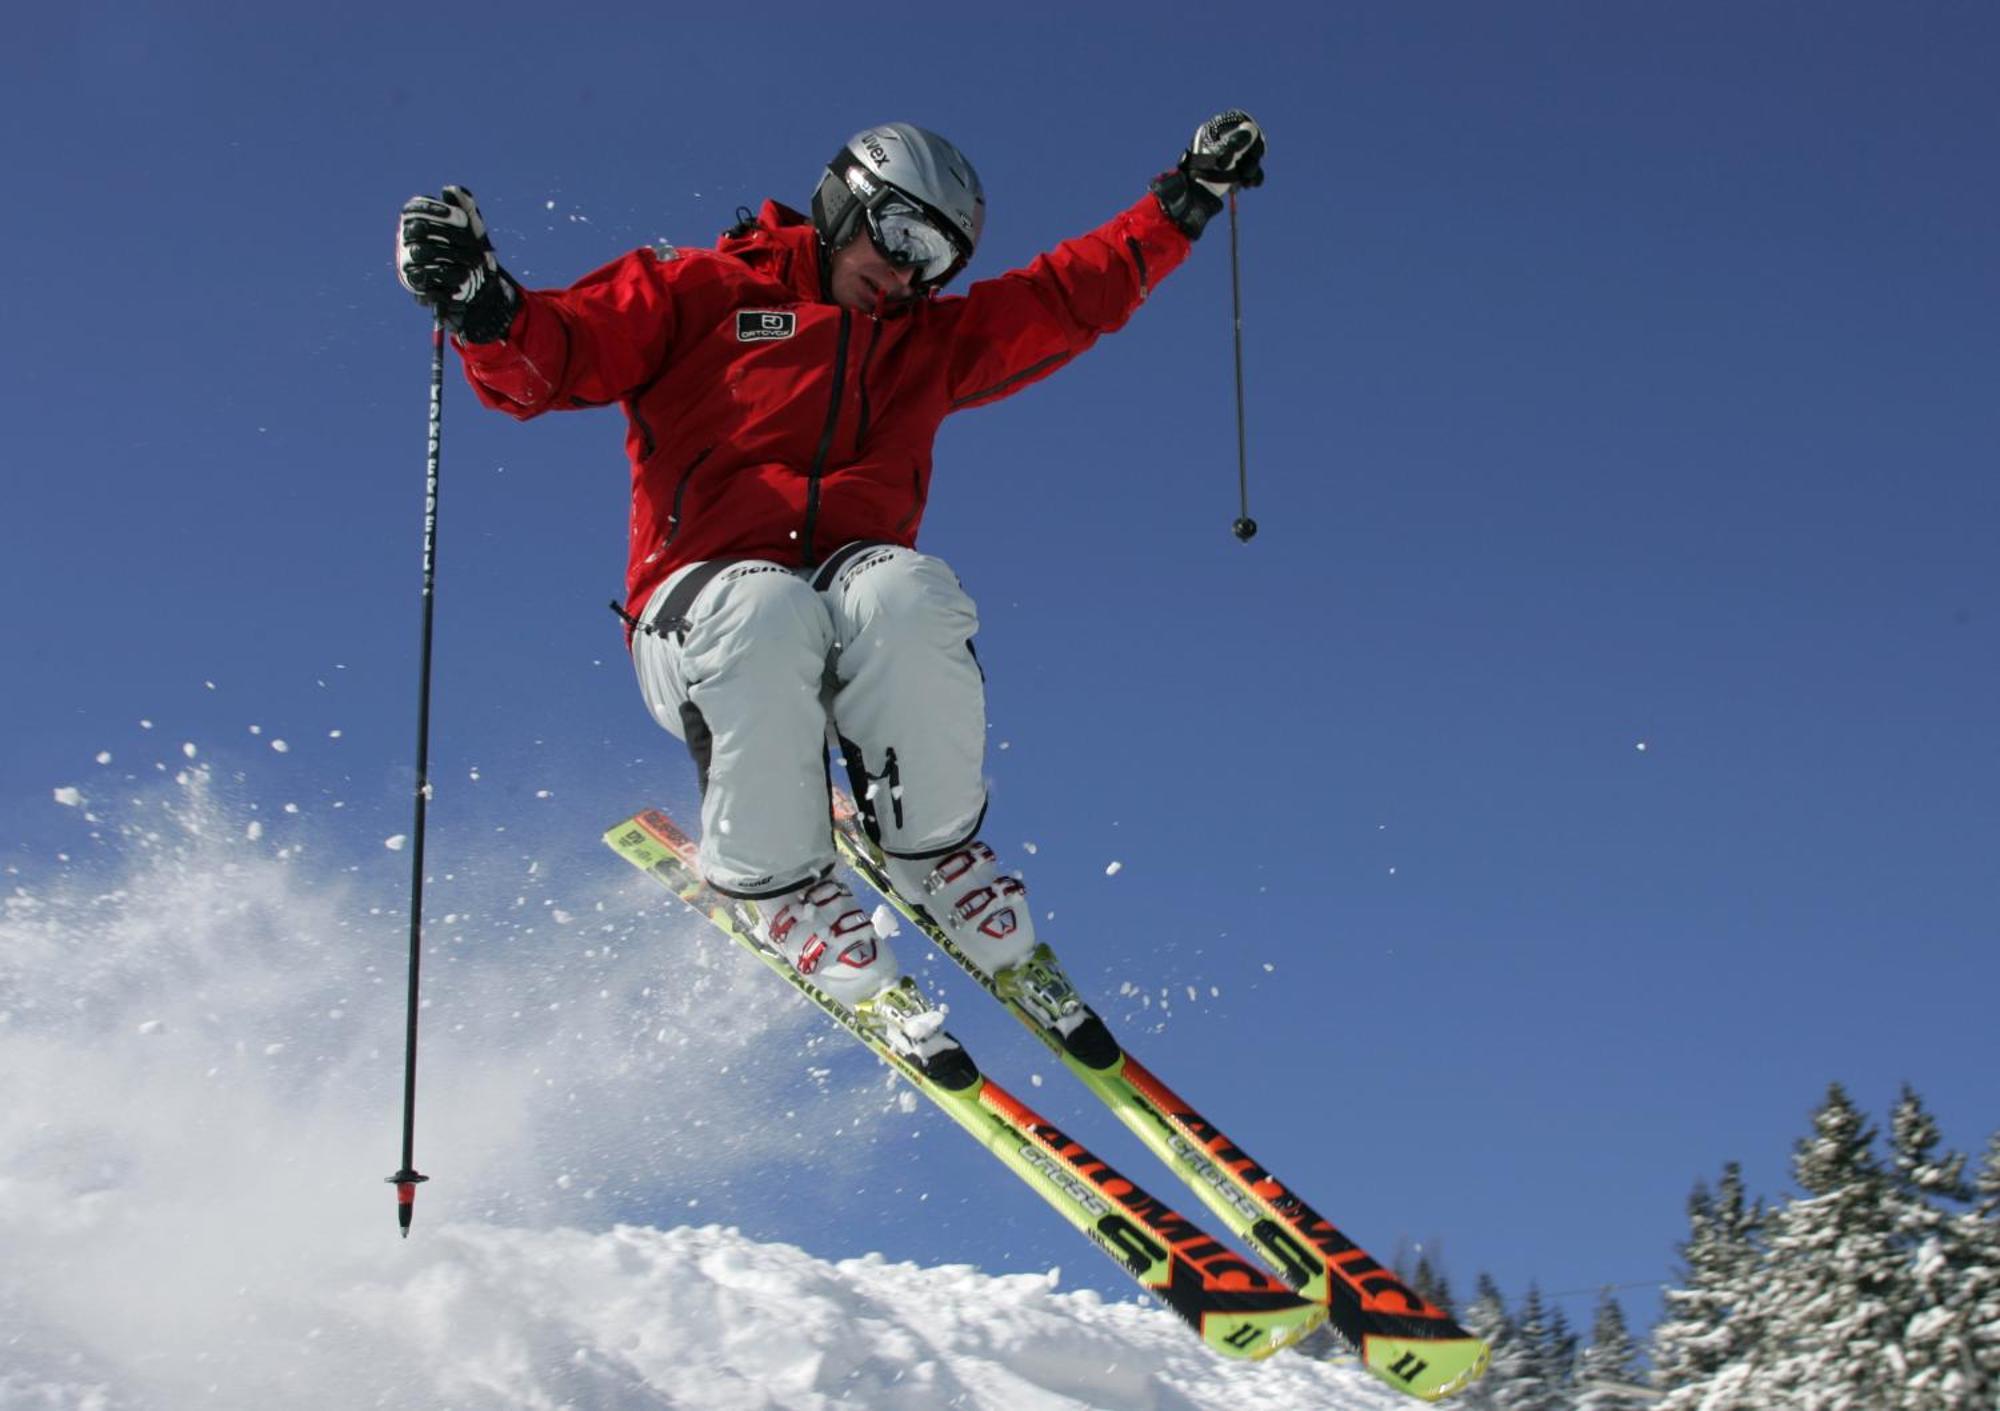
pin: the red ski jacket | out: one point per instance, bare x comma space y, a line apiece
765, 421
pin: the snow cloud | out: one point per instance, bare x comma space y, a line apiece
200, 1076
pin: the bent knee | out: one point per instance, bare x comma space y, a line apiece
902, 595
757, 612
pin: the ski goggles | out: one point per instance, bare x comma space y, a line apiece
907, 239
909, 234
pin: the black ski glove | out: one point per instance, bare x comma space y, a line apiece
1227, 151
444, 258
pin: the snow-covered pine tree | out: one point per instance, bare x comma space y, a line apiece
1527, 1378
1430, 1283
1686, 1341
1562, 1351
1709, 1323
1980, 1290
1927, 1198
1986, 1186
1830, 1338
1487, 1318
1609, 1363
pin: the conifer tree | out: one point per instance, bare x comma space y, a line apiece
1928, 1198
1685, 1340
1980, 1290
1610, 1363
1829, 1336
1527, 1379
1431, 1285
1709, 1323
1986, 1189
1487, 1318
1562, 1351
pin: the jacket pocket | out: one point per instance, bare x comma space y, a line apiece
680, 497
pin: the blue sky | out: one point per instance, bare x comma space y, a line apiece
1618, 376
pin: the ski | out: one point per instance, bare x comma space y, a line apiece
1407, 1342
1233, 1306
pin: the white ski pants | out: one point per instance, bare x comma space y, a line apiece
755, 665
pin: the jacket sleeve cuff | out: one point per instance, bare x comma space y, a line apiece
1187, 203
1158, 243
508, 374
493, 351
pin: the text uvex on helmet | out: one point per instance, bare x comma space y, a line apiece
915, 194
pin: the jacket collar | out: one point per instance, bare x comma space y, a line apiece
783, 244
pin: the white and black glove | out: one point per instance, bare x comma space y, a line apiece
1227, 152
444, 258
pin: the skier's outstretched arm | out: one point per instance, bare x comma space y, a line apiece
528, 351
1022, 326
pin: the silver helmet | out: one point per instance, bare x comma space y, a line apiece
915, 193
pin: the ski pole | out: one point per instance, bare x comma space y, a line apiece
406, 1179
1245, 527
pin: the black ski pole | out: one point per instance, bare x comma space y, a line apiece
407, 1178
1245, 527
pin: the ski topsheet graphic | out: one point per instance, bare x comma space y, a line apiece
1235, 1307
1409, 1343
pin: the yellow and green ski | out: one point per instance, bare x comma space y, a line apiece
1234, 1307
1406, 1341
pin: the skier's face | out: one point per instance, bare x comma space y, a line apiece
863, 279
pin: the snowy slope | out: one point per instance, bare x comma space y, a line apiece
480, 1316
199, 1066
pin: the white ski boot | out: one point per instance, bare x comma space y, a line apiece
983, 911
986, 915
822, 933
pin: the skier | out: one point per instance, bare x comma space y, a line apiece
782, 393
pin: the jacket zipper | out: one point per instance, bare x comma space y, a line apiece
680, 494
825, 439
1139, 258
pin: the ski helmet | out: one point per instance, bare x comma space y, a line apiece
915, 193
